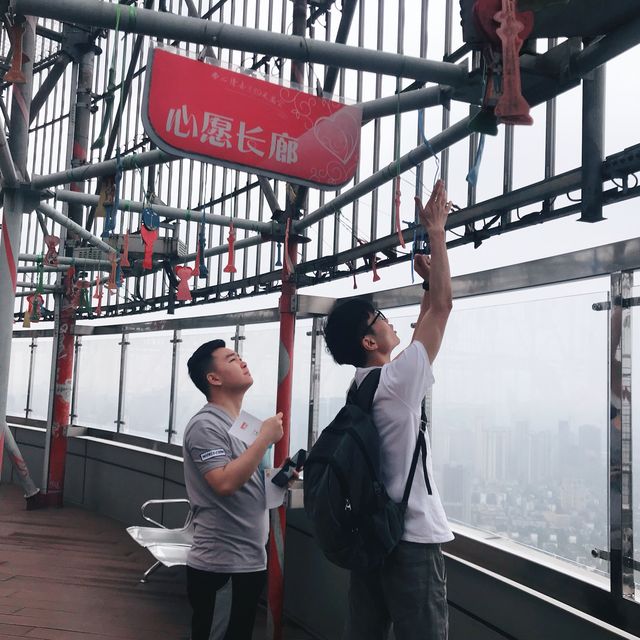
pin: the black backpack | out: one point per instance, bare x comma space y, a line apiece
355, 522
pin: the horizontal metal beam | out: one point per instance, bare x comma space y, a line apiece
45, 287
90, 200
613, 44
64, 262
448, 137
106, 168
203, 322
35, 269
546, 189
69, 224
186, 29
403, 102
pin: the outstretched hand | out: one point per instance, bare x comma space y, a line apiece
433, 215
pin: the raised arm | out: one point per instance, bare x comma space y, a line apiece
437, 302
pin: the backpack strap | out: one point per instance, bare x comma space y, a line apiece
362, 395
421, 448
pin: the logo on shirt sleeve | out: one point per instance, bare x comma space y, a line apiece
212, 453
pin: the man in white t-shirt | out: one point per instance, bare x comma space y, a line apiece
409, 591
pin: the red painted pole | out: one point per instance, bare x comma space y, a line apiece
278, 517
57, 445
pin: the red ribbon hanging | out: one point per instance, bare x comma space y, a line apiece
111, 283
97, 295
51, 257
183, 273
231, 267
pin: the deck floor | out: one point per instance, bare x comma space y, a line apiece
70, 574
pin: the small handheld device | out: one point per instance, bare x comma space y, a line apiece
294, 463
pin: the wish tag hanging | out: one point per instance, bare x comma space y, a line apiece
36, 301
149, 233
231, 267
83, 288
51, 257
97, 295
184, 273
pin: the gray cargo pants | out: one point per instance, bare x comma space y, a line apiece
408, 592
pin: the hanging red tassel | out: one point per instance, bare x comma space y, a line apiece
397, 201
374, 267
111, 283
512, 108
231, 267
15, 75
287, 257
97, 295
184, 273
352, 267
51, 257
124, 260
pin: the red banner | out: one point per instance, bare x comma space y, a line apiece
198, 110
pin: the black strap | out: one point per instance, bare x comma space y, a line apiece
421, 448
363, 395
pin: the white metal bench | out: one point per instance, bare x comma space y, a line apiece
168, 546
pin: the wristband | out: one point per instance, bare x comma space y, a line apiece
425, 285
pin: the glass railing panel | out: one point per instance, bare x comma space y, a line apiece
188, 398
260, 351
520, 419
18, 377
300, 392
97, 383
41, 379
147, 385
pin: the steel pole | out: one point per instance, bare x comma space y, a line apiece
13, 207
170, 26
278, 517
593, 108
106, 168
66, 303
620, 439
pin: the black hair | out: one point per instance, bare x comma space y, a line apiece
344, 329
201, 363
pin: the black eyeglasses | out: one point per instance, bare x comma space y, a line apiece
377, 315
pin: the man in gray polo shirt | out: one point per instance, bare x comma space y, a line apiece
225, 486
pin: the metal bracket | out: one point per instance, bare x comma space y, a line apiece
627, 303
606, 556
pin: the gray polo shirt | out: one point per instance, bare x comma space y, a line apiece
230, 531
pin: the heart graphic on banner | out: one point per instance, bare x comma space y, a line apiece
339, 133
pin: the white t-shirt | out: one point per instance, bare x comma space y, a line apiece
396, 413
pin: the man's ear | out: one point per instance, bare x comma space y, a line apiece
369, 343
213, 379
